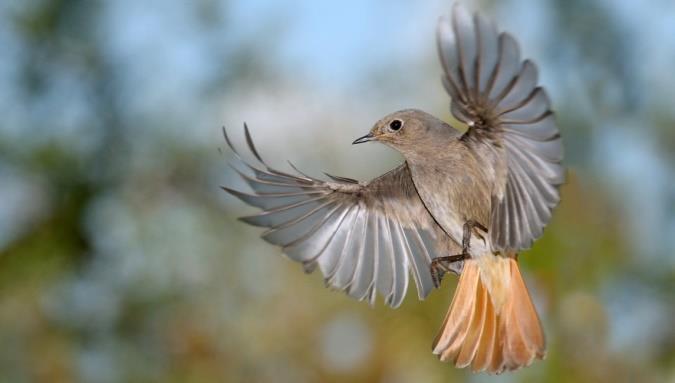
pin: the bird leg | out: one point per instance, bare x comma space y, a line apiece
471, 226
441, 265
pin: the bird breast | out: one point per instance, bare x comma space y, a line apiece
454, 192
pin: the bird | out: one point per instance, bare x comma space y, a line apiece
464, 202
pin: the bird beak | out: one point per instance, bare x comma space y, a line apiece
366, 138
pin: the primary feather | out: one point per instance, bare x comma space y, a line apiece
364, 237
510, 123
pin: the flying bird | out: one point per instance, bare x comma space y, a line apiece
463, 202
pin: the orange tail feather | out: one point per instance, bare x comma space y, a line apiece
491, 324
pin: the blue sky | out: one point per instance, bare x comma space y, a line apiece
329, 40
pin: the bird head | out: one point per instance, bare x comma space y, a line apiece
405, 130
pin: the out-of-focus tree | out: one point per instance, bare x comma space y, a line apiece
120, 259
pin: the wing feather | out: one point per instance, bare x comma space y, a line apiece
497, 94
366, 238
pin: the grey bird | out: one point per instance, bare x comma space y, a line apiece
461, 202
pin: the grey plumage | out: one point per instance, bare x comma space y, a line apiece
511, 125
364, 237
503, 172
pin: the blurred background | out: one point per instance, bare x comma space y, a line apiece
121, 259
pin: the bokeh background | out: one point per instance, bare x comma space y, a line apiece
122, 261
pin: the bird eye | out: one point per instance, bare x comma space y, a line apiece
395, 125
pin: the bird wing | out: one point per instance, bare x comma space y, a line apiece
510, 121
364, 237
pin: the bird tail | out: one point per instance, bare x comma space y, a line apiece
491, 324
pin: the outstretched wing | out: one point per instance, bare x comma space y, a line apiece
510, 122
364, 237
